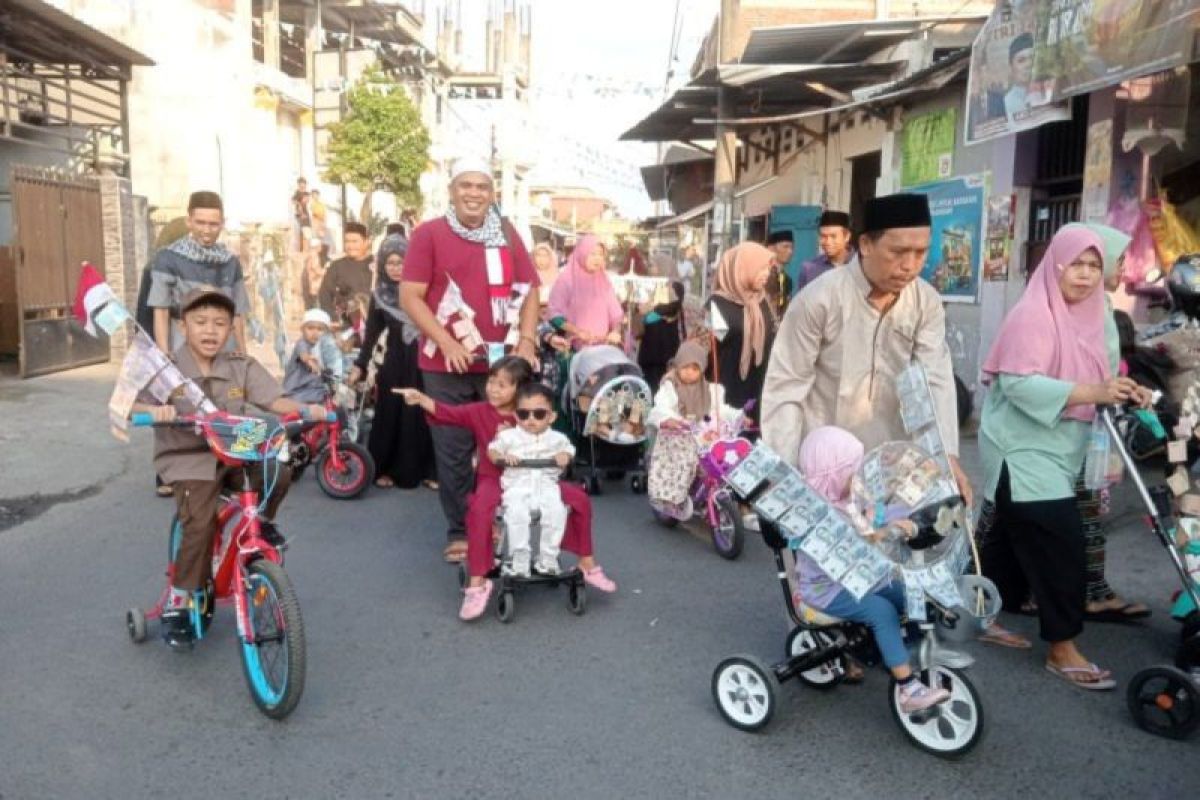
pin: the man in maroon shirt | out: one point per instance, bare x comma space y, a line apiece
473, 247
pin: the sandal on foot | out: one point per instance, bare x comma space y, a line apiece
1090, 677
1129, 612
455, 552
853, 671
475, 601
384, 482
596, 578
432, 485
1005, 638
164, 491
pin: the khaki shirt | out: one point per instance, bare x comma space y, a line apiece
836, 359
235, 382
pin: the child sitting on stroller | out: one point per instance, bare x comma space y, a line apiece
302, 380
528, 489
829, 457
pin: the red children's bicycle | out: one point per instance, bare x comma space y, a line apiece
344, 467
246, 568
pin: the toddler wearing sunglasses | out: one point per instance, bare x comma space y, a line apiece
528, 488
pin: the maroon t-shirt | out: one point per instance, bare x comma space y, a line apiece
436, 253
483, 421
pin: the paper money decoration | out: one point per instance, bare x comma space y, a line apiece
918, 414
454, 313
145, 368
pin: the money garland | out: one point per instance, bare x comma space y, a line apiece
827, 536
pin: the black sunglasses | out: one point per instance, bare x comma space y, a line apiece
537, 413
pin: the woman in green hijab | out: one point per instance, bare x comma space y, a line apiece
1103, 604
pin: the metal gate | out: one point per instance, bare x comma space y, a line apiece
57, 225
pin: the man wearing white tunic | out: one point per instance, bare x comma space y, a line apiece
848, 335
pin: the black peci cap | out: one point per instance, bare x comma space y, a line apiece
896, 211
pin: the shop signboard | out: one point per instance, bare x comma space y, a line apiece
956, 248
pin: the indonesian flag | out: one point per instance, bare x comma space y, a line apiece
91, 294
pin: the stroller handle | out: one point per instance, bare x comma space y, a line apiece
533, 463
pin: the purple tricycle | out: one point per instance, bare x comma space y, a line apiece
711, 450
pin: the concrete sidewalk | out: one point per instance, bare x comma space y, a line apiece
55, 444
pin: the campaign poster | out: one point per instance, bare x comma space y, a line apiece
1005, 94
998, 243
956, 249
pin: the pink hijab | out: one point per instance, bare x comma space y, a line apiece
829, 457
1044, 335
585, 299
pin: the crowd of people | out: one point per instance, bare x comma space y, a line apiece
469, 336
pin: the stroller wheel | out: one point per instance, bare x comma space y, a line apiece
577, 599
592, 485
637, 483
745, 691
1164, 701
949, 730
506, 607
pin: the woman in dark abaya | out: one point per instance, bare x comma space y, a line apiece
399, 441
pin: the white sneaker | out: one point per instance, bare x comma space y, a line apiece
548, 566
520, 563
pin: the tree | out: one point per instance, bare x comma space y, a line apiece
380, 143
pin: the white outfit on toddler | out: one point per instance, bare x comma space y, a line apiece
525, 490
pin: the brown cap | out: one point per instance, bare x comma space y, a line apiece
211, 294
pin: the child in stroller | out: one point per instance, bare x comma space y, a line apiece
526, 490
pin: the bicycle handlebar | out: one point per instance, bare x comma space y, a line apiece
144, 419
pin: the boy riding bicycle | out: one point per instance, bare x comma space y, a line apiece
232, 381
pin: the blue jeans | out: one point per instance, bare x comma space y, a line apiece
880, 611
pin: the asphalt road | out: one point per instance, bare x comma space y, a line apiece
403, 700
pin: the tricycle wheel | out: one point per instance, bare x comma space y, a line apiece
592, 485
949, 730
462, 575
577, 599
1164, 701
506, 607
745, 692
135, 621
356, 474
273, 651
729, 532
823, 676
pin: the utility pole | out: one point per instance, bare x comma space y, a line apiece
725, 169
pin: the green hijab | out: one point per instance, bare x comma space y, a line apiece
1115, 243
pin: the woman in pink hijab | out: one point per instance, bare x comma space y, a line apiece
583, 303
1046, 373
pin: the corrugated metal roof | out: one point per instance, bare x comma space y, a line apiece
67, 40
841, 42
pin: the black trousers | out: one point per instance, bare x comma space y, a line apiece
1038, 546
453, 448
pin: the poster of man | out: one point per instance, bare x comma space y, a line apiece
1003, 93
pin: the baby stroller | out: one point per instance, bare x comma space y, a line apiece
507, 584
1164, 699
746, 690
607, 401
706, 452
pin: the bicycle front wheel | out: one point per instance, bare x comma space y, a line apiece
273, 648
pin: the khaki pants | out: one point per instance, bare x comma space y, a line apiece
198, 503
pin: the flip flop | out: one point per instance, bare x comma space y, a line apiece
1005, 638
1099, 679
1119, 614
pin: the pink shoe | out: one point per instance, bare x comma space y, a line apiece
916, 696
475, 601
596, 578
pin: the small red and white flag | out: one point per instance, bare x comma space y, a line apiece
90, 295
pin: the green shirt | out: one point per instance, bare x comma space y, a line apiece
1022, 426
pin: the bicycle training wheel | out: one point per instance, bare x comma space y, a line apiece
274, 660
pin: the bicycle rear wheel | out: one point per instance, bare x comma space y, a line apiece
274, 661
